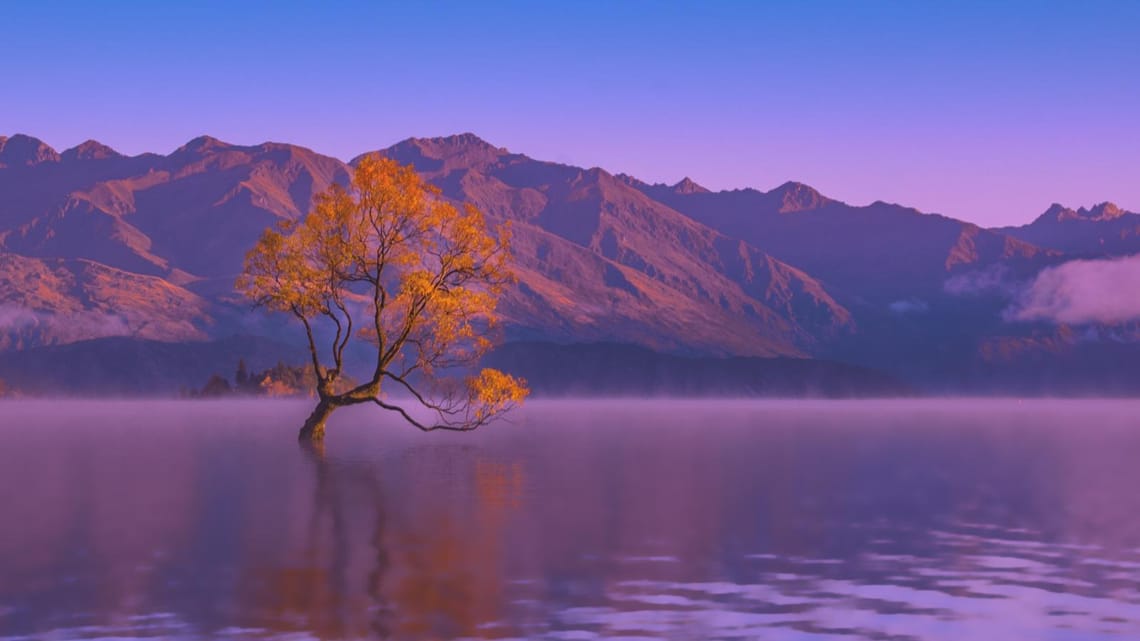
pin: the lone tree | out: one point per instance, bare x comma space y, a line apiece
388, 261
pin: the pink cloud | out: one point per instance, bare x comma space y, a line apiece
1082, 291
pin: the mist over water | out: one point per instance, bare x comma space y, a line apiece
915, 519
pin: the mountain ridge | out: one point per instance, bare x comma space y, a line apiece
1104, 228
601, 257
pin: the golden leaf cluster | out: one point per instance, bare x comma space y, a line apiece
389, 261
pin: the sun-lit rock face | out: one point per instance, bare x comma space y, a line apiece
1104, 228
687, 186
45, 301
89, 150
136, 232
25, 151
193, 212
878, 253
1097, 213
597, 257
155, 241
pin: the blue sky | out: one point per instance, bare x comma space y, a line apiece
983, 111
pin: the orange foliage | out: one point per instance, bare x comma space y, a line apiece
389, 261
276, 388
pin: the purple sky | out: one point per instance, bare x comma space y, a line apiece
983, 111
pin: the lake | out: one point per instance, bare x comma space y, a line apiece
823, 520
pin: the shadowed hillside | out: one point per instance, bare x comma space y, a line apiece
614, 264
608, 369
96, 244
122, 366
1099, 230
880, 253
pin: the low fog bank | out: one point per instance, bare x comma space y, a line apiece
122, 367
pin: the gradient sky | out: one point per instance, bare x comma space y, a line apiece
984, 111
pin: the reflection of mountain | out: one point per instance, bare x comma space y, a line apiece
94, 244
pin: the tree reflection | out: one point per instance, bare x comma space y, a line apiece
420, 567
226, 535
312, 591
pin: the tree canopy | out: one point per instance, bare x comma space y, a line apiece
388, 261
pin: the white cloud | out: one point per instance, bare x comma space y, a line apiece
909, 306
991, 280
1082, 291
88, 323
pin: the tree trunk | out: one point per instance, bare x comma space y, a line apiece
314, 428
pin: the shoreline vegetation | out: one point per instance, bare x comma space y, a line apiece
280, 381
122, 367
607, 370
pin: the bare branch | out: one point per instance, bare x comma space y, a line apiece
312, 345
438, 407
466, 427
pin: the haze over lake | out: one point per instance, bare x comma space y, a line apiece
940, 520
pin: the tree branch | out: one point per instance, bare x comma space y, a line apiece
312, 349
466, 427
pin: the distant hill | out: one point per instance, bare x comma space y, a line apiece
611, 369
123, 366
129, 366
95, 244
880, 253
189, 216
45, 301
1103, 229
599, 260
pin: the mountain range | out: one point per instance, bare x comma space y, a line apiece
95, 244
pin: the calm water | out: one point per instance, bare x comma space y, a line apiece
825, 520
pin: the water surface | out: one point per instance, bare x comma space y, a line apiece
941, 520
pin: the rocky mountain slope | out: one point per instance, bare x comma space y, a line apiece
602, 260
96, 244
880, 252
187, 217
1103, 229
63, 300
597, 260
